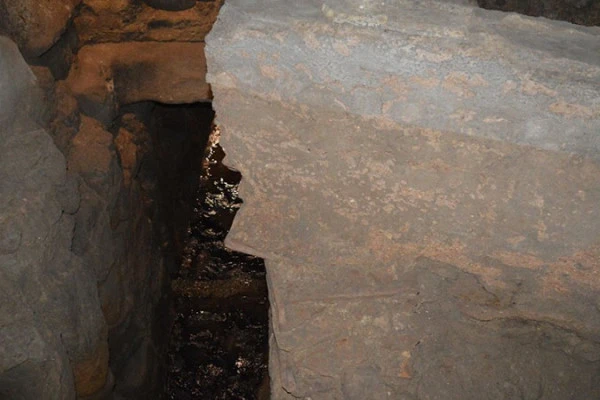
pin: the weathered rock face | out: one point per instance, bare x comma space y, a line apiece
82, 238
52, 322
134, 282
125, 20
35, 25
94, 159
106, 76
424, 189
96, 271
115, 234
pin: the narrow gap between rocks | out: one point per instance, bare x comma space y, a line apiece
217, 314
581, 12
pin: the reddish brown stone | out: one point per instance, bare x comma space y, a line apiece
91, 373
125, 20
108, 75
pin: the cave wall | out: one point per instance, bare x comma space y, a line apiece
423, 183
51, 319
85, 249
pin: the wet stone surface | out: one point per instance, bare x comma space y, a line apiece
218, 346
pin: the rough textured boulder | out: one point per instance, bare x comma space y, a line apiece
424, 187
108, 75
35, 25
51, 318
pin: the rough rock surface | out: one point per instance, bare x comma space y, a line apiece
108, 75
51, 318
66, 119
126, 20
424, 191
108, 233
60, 56
35, 25
115, 234
134, 283
94, 159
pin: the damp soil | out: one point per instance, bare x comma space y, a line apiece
219, 338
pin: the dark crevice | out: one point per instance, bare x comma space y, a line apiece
581, 12
218, 308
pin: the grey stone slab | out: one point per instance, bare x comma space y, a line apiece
424, 188
437, 65
352, 216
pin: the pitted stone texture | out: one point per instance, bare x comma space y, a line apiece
35, 25
414, 250
112, 74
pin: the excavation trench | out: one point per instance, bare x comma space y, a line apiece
216, 312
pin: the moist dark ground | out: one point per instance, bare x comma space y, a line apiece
219, 340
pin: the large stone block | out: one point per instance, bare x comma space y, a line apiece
438, 65
424, 189
112, 74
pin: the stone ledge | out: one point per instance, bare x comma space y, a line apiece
111, 74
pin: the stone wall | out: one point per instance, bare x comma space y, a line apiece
84, 246
424, 186
54, 336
